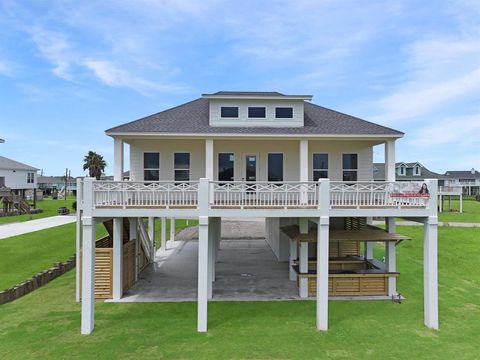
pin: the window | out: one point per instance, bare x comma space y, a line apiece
350, 167
275, 167
229, 112
284, 112
181, 166
2, 181
226, 165
401, 170
151, 166
256, 112
30, 178
416, 171
320, 166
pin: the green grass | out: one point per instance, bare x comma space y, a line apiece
45, 324
471, 211
22, 256
48, 206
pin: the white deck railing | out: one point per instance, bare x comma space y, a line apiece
237, 194
145, 194
265, 194
377, 194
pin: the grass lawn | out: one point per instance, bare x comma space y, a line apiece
45, 324
48, 206
471, 211
24, 255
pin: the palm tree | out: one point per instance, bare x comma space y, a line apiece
95, 164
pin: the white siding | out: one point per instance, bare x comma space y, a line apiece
260, 148
243, 120
17, 179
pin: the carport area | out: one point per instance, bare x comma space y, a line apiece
246, 268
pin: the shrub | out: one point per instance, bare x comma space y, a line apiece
477, 197
74, 206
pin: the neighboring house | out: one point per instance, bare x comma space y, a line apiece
306, 169
49, 184
413, 171
469, 180
17, 176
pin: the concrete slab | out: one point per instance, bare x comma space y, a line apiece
246, 270
19, 228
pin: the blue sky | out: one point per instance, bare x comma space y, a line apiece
69, 70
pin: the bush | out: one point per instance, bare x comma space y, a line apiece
477, 197
74, 206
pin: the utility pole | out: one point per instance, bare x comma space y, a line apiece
66, 182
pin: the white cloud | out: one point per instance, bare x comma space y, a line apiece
56, 48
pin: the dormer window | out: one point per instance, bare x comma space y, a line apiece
256, 112
402, 170
229, 112
416, 171
284, 113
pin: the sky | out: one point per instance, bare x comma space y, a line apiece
69, 70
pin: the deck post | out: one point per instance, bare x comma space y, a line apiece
303, 259
172, 229
203, 255
293, 257
151, 236
163, 240
211, 244
134, 236
391, 257
322, 255
461, 200
117, 290
430, 260
117, 159
78, 233
88, 261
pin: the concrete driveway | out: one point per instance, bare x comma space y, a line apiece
19, 228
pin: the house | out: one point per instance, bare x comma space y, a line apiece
469, 180
306, 169
51, 184
412, 171
17, 176
415, 171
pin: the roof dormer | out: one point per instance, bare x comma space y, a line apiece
256, 109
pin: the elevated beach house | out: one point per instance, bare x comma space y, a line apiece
306, 169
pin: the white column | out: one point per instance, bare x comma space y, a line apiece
88, 260
202, 273
172, 229
303, 259
88, 276
203, 266
369, 250
117, 159
322, 255
391, 257
151, 236
78, 232
211, 239
117, 258
430, 274
322, 272
209, 164
303, 170
134, 236
293, 257
430, 260
390, 160
461, 201
163, 243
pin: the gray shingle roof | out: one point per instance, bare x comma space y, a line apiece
463, 174
379, 172
9, 164
248, 93
193, 118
